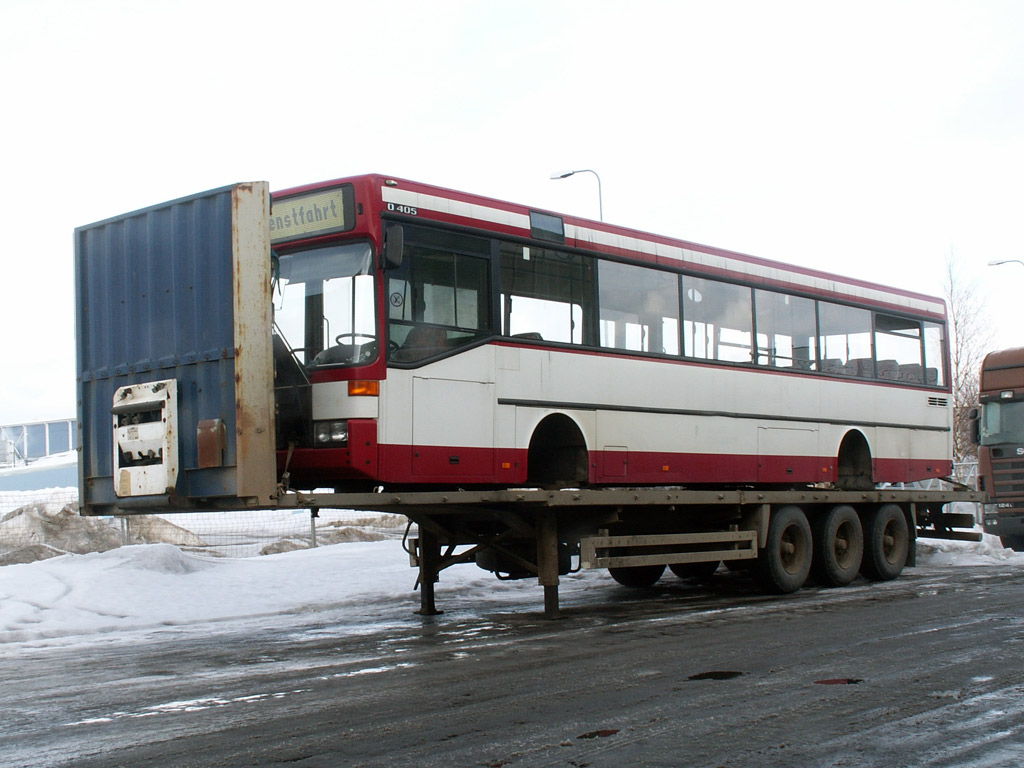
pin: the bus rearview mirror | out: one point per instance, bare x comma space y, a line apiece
394, 237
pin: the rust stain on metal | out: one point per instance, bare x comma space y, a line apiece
211, 439
254, 398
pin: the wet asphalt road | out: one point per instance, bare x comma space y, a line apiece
925, 670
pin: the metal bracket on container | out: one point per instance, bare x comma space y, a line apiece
146, 438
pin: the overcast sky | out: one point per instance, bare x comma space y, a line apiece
872, 139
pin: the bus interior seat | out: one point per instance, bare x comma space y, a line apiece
529, 336
912, 372
862, 367
888, 369
422, 341
833, 365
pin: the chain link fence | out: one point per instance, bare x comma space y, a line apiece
39, 524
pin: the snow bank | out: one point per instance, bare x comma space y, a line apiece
62, 529
128, 593
42, 530
36, 523
988, 551
157, 586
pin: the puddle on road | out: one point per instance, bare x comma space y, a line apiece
604, 733
189, 705
369, 670
715, 675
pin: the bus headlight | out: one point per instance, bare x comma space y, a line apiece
330, 432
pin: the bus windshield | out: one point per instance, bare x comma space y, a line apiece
324, 305
1002, 423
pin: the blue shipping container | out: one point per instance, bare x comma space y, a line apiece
179, 291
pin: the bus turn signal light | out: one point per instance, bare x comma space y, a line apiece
363, 388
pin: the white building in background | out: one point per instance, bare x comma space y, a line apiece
22, 444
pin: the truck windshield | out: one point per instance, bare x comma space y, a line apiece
324, 305
1002, 422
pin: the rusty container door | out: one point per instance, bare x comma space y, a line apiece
174, 370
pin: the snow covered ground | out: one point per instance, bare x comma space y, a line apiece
136, 591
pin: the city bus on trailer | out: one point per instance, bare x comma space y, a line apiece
509, 346
534, 390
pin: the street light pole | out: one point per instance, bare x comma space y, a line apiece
600, 197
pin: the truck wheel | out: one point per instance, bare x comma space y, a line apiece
838, 546
638, 576
785, 561
1013, 541
694, 570
886, 542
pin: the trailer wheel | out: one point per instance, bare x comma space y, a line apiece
886, 542
638, 576
695, 570
838, 546
785, 561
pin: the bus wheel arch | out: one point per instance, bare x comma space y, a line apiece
854, 467
558, 452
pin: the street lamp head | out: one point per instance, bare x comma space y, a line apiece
567, 174
997, 262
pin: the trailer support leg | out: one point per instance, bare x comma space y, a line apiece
430, 558
547, 561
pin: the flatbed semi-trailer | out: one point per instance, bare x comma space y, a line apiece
785, 535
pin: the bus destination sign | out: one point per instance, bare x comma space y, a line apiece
311, 215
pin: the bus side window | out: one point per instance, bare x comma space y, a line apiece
639, 308
437, 301
934, 355
717, 320
547, 294
845, 340
898, 349
785, 331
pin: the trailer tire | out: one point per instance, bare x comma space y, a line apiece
637, 576
1014, 541
697, 571
886, 542
838, 539
785, 562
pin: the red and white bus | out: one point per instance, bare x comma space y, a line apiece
490, 343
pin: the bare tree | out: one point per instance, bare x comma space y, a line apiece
969, 338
